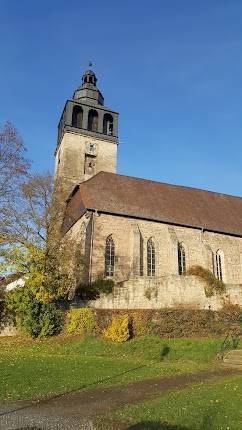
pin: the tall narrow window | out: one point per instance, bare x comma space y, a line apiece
109, 256
213, 265
141, 256
77, 115
93, 120
181, 259
219, 268
150, 258
108, 124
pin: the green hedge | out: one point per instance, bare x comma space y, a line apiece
171, 323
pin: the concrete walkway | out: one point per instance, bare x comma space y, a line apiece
75, 410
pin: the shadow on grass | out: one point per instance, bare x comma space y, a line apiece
207, 423
29, 428
34, 402
154, 425
164, 352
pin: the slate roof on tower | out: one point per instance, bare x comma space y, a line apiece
155, 201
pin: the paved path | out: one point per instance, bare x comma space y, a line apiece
74, 411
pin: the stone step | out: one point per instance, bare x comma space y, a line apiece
233, 358
233, 354
233, 361
234, 366
235, 351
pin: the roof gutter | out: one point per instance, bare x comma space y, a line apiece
101, 211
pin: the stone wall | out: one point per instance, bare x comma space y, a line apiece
8, 330
165, 292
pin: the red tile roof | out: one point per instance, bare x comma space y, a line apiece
156, 201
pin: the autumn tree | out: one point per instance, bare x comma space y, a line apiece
30, 242
27, 213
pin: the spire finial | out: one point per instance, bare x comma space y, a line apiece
90, 64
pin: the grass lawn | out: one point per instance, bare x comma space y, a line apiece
35, 368
204, 406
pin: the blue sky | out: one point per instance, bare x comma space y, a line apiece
172, 68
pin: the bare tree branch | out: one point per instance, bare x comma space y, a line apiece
26, 218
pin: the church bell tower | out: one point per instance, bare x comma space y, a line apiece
87, 136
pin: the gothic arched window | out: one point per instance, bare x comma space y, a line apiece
219, 265
181, 259
109, 256
77, 116
150, 258
108, 124
92, 120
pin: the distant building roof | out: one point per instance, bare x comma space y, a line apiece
156, 201
11, 281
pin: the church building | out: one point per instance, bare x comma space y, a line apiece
143, 234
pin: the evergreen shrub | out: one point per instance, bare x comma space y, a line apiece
32, 316
93, 290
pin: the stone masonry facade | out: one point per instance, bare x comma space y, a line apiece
200, 247
167, 287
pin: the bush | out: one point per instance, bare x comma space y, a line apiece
213, 285
183, 322
32, 316
170, 323
141, 322
118, 330
50, 320
230, 313
81, 321
93, 290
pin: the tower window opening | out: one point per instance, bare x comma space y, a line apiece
181, 259
219, 266
77, 117
108, 124
93, 120
150, 258
89, 166
109, 256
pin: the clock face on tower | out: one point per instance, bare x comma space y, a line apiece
91, 148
